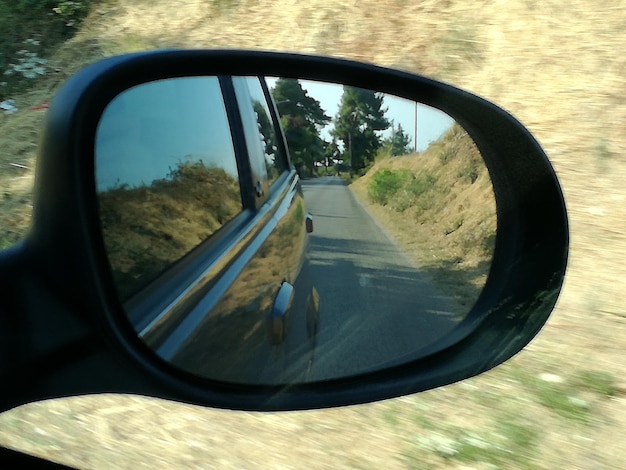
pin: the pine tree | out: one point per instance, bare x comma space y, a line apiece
302, 118
361, 115
399, 142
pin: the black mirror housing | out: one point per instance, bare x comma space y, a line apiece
66, 333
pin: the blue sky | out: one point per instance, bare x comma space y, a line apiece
431, 123
148, 130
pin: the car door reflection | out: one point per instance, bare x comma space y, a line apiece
234, 342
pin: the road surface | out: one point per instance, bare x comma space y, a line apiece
376, 306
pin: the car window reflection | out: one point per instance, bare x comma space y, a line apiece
166, 176
263, 141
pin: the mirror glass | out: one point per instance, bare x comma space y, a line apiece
359, 245
166, 176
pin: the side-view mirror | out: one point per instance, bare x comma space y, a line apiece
195, 238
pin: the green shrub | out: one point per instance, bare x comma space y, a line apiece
386, 183
31, 31
27, 64
411, 195
419, 185
71, 12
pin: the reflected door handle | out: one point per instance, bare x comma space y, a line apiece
277, 320
258, 189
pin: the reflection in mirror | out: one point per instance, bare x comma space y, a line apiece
166, 176
404, 228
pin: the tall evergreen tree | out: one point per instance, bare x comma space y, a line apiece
361, 115
332, 152
399, 142
302, 118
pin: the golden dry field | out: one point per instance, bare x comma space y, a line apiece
559, 67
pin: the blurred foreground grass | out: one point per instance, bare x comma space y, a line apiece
559, 404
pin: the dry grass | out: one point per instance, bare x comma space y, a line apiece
18, 136
444, 215
559, 68
148, 228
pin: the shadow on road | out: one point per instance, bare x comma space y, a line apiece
377, 308
323, 181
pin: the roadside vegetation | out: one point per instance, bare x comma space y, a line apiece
355, 132
148, 228
440, 205
35, 57
558, 404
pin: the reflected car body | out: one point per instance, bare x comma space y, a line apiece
230, 286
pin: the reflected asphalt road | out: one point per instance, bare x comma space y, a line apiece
376, 306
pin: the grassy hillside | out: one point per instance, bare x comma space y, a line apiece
440, 205
148, 228
37, 54
559, 404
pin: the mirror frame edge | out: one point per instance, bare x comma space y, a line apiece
63, 169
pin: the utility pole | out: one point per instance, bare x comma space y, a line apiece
350, 151
415, 133
353, 115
